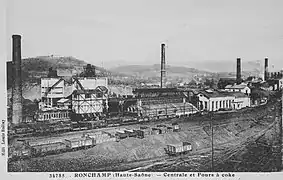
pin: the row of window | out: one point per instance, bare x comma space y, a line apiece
55, 115
221, 104
87, 96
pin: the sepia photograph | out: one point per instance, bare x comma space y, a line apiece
143, 88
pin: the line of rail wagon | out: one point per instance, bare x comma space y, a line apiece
27, 149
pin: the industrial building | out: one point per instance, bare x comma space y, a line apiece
243, 88
90, 96
161, 102
53, 115
212, 100
52, 90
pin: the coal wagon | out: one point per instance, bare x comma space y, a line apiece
179, 148
51, 148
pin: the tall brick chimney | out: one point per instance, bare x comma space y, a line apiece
238, 76
17, 81
266, 75
162, 83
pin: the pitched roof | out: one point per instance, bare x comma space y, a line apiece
222, 94
63, 100
237, 86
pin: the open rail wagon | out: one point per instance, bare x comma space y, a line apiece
177, 149
51, 148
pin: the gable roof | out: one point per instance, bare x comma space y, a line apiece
237, 86
215, 94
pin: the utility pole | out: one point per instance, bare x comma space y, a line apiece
212, 149
280, 130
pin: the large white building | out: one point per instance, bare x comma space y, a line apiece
210, 100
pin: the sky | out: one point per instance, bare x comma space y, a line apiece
109, 33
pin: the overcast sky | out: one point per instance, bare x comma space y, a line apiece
130, 31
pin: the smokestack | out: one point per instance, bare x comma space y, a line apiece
162, 84
239, 76
17, 81
266, 69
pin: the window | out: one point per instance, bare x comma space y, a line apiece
220, 104
87, 96
212, 105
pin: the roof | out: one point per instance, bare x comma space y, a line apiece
222, 94
239, 94
237, 86
91, 91
63, 100
77, 139
175, 144
228, 78
145, 90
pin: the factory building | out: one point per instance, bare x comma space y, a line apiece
275, 84
90, 96
243, 88
161, 102
53, 115
274, 79
210, 100
52, 90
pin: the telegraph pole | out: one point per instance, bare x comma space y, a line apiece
280, 130
212, 149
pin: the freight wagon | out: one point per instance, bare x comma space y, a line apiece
77, 143
21, 151
176, 127
105, 139
180, 148
155, 131
121, 135
130, 132
140, 133
44, 149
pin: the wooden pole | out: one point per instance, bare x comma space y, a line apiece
212, 149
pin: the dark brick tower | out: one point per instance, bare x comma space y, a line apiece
17, 81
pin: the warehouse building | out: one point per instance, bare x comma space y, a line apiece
211, 100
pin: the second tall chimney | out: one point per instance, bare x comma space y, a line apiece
266, 69
238, 76
17, 81
162, 83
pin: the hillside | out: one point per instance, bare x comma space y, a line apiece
35, 68
151, 71
227, 66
